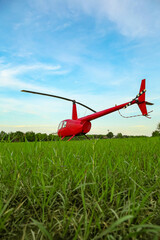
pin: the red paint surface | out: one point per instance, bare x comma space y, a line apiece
141, 99
77, 126
83, 125
74, 112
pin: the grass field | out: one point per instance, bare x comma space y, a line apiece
97, 189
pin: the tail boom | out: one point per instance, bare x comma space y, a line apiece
139, 99
105, 112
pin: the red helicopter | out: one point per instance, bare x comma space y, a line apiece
80, 126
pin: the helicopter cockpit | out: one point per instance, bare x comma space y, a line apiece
62, 125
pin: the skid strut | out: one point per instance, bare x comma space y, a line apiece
71, 138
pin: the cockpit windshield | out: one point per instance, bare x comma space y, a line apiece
62, 125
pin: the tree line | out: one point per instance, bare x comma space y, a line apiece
28, 136
32, 137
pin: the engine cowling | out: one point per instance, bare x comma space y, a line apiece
86, 127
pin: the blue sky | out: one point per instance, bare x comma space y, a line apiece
94, 51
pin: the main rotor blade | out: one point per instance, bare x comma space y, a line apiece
86, 107
49, 95
67, 99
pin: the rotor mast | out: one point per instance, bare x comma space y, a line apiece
74, 111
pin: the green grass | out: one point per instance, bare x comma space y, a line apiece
98, 189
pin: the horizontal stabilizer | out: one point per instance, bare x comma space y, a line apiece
149, 103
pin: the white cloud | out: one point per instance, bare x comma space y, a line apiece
30, 105
10, 75
16, 70
132, 18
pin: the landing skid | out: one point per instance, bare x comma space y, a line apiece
70, 138
76, 137
87, 137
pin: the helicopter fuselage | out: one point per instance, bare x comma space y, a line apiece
71, 127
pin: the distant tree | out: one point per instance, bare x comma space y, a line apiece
52, 137
11, 137
100, 136
158, 127
155, 133
119, 135
3, 136
110, 135
125, 136
19, 136
39, 137
30, 136
44, 137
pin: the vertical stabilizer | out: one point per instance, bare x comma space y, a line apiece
141, 98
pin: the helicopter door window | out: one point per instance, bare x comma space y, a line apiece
64, 124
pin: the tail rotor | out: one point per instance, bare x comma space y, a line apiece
141, 99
